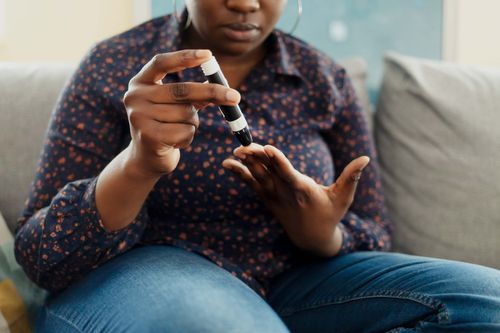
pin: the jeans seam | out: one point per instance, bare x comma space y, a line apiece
62, 319
425, 300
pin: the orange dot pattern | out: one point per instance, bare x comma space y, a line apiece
296, 99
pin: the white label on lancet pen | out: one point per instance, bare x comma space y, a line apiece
238, 124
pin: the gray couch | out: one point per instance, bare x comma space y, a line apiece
437, 209
28, 93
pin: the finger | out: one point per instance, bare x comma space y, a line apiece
191, 92
242, 171
197, 106
250, 149
260, 172
280, 182
283, 168
261, 155
274, 181
344, 188
162, 64
176, 135
174, 113
257, 161
256, 150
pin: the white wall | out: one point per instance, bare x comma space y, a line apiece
472, 32
2, 20
60, 30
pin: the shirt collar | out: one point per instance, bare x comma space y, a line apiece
279, 59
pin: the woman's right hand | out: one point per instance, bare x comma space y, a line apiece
161, 116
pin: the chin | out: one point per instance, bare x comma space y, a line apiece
237, 49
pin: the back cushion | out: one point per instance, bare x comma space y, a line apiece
28, 93
437, 129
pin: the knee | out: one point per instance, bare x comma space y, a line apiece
459, 277
470, 294
462, 292
164, 290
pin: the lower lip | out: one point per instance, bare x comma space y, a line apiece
240, 35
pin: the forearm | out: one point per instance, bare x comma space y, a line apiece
63, 241
121, 192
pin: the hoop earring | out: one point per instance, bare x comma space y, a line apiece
178, 18
299, 16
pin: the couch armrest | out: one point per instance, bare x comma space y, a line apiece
28, 93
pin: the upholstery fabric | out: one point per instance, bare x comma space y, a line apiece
28, 92
438, 137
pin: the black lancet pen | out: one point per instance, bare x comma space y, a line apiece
232, 114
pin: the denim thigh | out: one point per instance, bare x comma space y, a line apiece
382, 292
158, 289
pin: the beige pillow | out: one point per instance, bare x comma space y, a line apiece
5, 235
28, 93
357, 70
437, 129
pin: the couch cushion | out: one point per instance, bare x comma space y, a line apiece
437, 132
28, 94
5, 234
357, 70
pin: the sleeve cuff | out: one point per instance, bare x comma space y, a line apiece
347, 240
92, 217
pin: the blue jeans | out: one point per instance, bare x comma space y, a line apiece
166, 289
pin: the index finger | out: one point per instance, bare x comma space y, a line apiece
171, 62
253, 148
282, 165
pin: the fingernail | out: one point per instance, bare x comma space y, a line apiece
232, 96
202, 53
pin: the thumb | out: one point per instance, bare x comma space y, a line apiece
344, 188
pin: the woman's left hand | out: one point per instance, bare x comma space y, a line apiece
309, 212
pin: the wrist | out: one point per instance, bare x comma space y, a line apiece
327, 248
133, 168
335, 245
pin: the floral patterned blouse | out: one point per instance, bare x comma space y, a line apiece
296, 99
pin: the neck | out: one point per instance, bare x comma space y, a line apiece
235, 66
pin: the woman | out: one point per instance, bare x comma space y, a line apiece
128, 163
